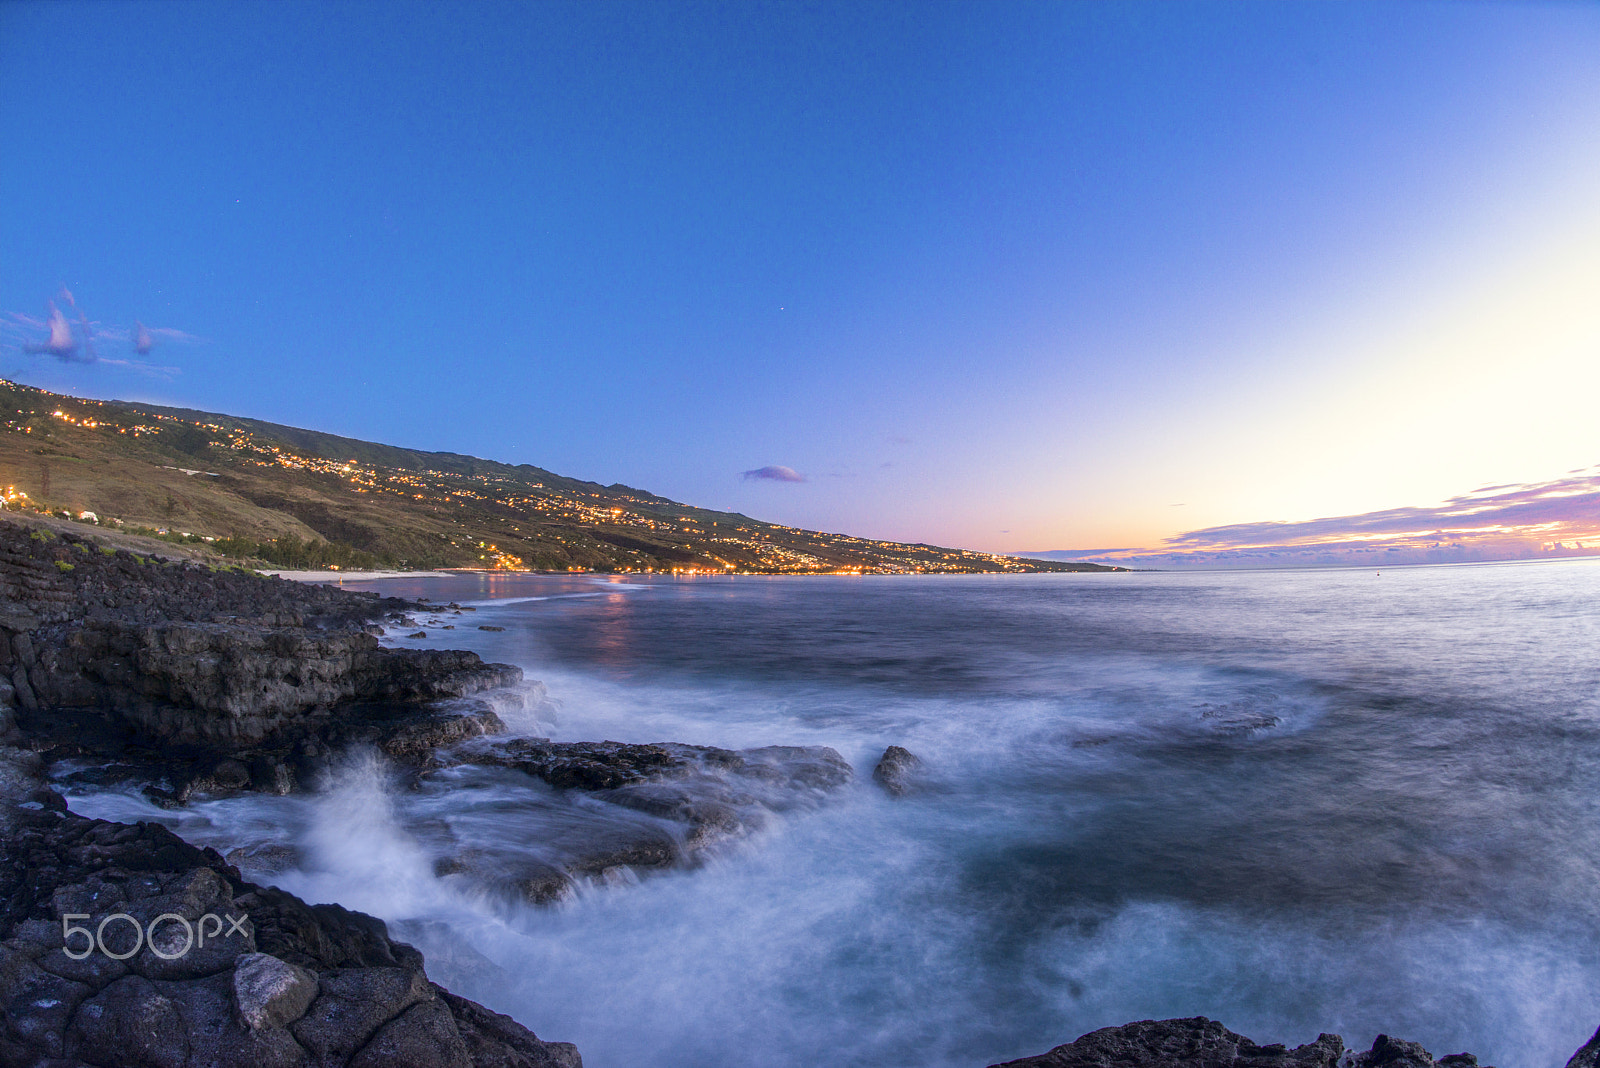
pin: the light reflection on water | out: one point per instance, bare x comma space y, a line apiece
1294, 801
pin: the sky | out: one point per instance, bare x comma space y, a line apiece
1225, 283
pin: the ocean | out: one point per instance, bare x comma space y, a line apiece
1293, 801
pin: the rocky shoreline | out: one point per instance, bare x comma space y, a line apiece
216, 680
202, 671
122, 944
279, 983
1198, 1042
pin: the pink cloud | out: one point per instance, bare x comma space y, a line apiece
1516, 521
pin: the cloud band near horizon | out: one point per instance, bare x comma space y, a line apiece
1506, 522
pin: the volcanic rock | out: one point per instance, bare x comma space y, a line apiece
687, 799
276, 983
1589, 1055
895, 769
269, 992
227, 679
1201, 1043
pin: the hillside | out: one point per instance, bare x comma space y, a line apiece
297, 498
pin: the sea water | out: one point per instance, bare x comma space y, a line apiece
1293, 801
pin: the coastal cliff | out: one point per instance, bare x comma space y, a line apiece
213, 675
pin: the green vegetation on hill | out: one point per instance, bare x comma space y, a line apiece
300, 499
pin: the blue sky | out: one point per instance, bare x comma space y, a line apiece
1007, 276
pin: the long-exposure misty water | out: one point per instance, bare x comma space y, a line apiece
1292, 801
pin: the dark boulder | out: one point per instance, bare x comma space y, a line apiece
895, 770
1188, 1043
499, 1041
1588, 1056
1201, 1043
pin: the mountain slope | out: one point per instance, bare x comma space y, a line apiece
298, 497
